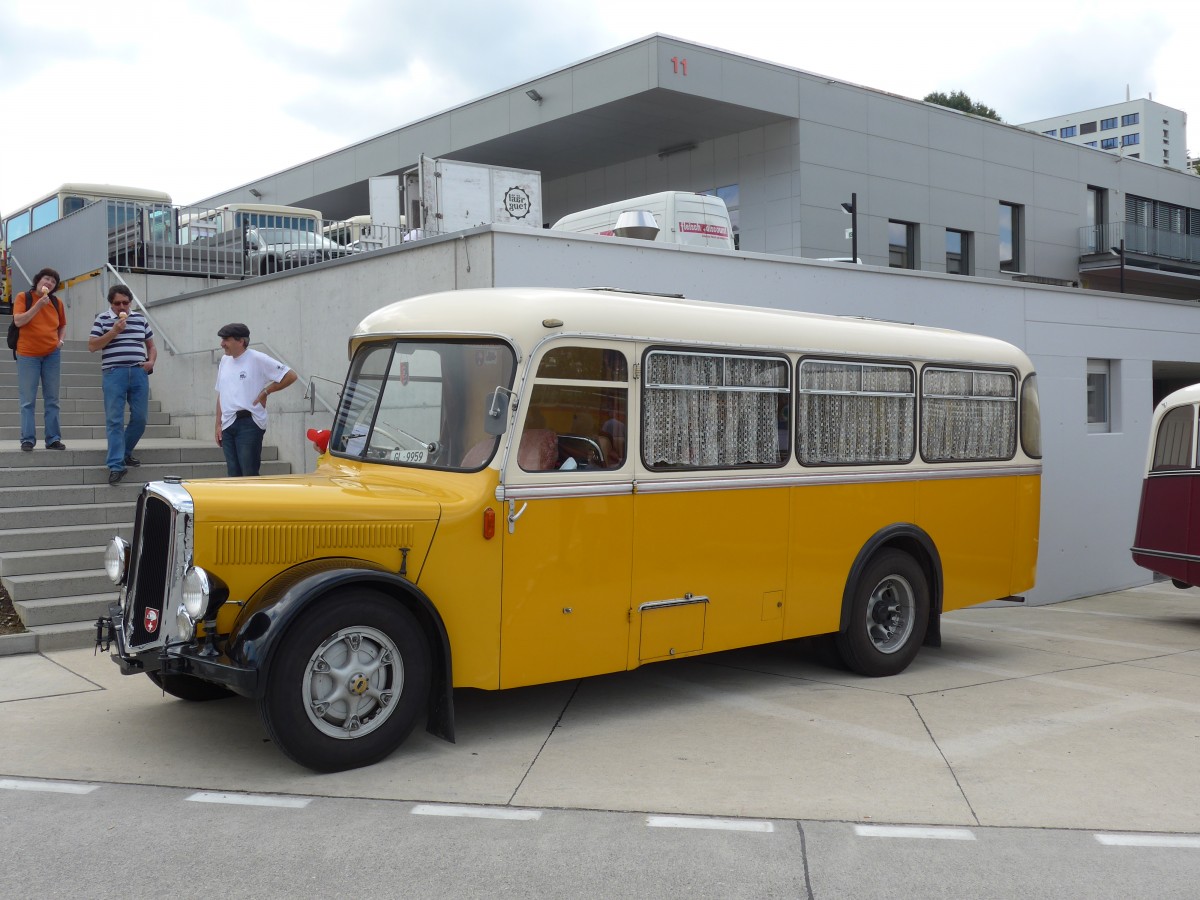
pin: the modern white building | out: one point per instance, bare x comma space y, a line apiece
1138, 129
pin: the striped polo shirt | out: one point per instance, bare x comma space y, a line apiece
129, 347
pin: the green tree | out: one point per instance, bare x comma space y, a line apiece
960, 101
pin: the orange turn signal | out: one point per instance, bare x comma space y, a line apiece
489, 524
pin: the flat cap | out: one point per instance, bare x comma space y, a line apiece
234, 330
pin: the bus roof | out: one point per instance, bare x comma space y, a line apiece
522, 314
1181, 397
265, 207
113, 191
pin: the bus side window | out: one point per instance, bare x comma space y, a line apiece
588, 425
582, 398
1173, 443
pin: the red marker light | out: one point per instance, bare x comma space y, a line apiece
319, 438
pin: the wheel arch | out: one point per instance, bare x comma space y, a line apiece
268, 615
916, 542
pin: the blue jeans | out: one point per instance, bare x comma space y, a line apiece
242, 442
48, 371
122, 385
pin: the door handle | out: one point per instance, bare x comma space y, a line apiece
513, 516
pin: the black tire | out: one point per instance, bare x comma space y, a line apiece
188, 687
889, 612
327, 715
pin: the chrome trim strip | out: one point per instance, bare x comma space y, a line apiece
542, 491
751, 482
686, 600
174, 493
1165, 554
865, 477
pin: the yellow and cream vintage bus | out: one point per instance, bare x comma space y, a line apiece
523, 486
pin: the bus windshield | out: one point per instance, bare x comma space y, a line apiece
422, 402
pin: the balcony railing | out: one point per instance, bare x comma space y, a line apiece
194, 241
1141, 239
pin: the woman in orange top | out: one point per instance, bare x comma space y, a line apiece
42, 322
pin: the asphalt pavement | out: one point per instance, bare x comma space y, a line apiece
1078, 715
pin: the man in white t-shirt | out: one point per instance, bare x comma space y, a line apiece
245, 378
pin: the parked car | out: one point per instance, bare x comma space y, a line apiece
273, 249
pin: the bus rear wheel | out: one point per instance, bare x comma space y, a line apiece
347, 683
888, 615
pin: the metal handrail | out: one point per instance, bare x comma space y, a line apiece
145, 312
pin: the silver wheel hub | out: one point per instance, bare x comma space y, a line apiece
350, 682
891, 609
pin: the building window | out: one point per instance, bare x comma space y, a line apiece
1098, 395
1108, 144
1053, 132
958, 252
1069, 131
1129, 140
902, 245
1131, 119
1090, 144
1087, 128
1097, 217
1098, 399
1106, 124
1010, 237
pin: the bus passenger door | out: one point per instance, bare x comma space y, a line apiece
710, 523
567, 523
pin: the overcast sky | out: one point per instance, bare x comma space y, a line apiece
195, 98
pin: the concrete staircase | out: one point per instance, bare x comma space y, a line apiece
58, 511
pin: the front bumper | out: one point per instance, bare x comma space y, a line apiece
194, 658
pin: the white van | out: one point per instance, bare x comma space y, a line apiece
699, 220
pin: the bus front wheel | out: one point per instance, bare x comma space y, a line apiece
348, 682
888, 614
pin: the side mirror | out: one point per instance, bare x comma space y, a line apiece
495, 411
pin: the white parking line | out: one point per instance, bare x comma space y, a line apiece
913, 831
249, 799
1149, 840
56, 787
477, 812
711, 824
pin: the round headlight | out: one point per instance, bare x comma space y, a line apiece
116, 559
185, 627
196, 592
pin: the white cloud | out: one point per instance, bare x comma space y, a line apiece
196, 98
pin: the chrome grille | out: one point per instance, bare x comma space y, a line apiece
160, 535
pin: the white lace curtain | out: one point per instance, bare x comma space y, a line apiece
852, 413
968, 415
713, 410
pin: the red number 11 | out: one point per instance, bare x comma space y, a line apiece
677, 64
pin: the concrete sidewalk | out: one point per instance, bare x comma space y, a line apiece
1077, 715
